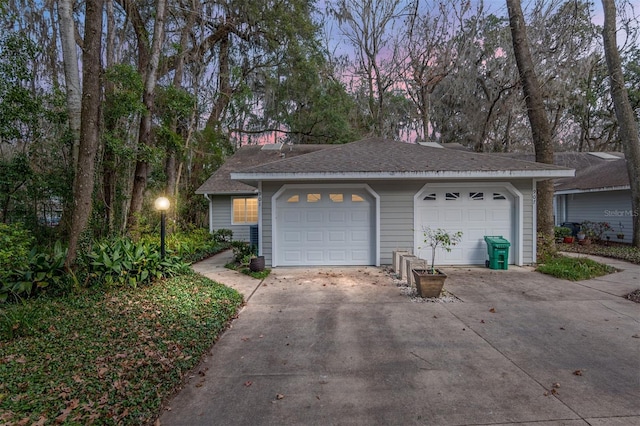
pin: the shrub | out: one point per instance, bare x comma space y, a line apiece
242, 251
561, 231
42, 270
123, 262
15, 242
595, 230
223, 235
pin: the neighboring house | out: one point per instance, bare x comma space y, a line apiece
599, 191
354, 204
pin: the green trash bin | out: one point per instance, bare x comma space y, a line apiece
498, 249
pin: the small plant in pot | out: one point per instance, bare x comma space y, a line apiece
430, 281
563, 234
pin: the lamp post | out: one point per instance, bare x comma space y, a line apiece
162, 204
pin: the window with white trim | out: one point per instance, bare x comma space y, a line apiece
245, 211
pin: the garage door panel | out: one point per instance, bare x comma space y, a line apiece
360, 236
477, 215
338, 236
337, 255
360, 256
291, 256
475, 211
292, 237
332, 230
314, 236
338, 217
314, 216
453, 215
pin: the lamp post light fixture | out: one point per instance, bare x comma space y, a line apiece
162, 204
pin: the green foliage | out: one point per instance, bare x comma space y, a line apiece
15, 243
191, 245
20, 108
561, 231
595, 230
621, 252
44, 270
435, 238
259, 275
223, 235
107, 357
123, 262
574, 268
242, 251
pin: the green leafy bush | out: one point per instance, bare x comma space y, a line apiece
242, 251
15, 243
561, 231
122, 262
191, 245
223, 235
42, 270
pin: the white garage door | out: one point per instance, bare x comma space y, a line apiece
324, 227
474, 211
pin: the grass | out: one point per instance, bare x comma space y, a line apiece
614, 251
107, 357
259, 275
574, 268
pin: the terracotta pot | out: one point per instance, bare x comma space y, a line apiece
568, 240
428, 284
256, 264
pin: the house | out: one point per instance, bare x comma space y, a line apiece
599, 191
354, 204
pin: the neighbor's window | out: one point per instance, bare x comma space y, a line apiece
245, 211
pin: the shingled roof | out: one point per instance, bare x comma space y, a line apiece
595, 171
383, 158
248, 156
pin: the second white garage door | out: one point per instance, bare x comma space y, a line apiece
474, 211
325, 227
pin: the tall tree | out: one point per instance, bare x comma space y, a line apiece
538, 121
367, 24
90, 126
145, 137
71, 73
624, 113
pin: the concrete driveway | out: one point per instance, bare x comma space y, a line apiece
344, 346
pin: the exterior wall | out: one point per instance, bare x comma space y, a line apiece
221, 217
528, 220
613, 207
396, 217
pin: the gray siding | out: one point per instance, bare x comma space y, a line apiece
222, 218
528, 212
396, 216
613, 207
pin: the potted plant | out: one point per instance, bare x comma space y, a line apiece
563, 234
430, 281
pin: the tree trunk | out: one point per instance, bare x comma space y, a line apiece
628, 130
144, 138
540, 129
224, 84
71, 72
90, 126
